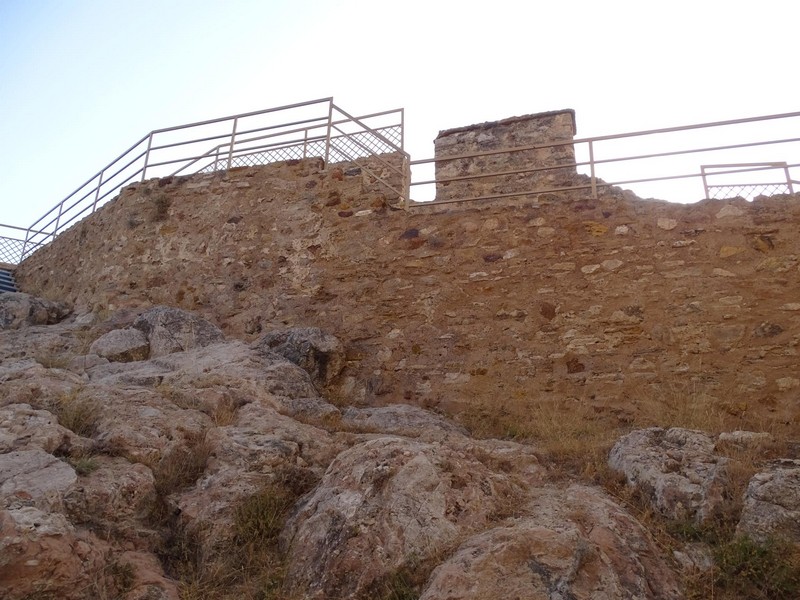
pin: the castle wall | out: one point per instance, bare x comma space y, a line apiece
600, 302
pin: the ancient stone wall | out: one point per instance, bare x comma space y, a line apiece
600, 302
504, 173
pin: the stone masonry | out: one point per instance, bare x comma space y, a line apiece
600, 302
480, 142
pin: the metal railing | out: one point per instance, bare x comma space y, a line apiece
746, 188
669, 155
321, 129
317, 128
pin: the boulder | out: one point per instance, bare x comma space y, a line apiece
122, 345
171, 330
318, 353
113, 496
24, 428
390, 502
18, 310
43, 556
771, 505
677, 469
34, 478
254, 452
149, 581
577, 544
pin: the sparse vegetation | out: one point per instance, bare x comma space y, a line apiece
84, 465
183, 466
79, 415
248, 566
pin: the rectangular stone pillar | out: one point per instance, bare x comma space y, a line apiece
519, 173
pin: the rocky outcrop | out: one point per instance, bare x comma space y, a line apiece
388, 502
576, 543
171, 330
676, 468
320, 354
122, 345
108, 464
19, 310
772, 503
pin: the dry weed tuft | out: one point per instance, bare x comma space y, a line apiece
79, 415
183, 466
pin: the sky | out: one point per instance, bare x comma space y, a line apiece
82, 80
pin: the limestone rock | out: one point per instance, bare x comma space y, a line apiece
772, 503
256, 450
42, 555
23, 428
19, 310
33, 477
149, 581
398, 419
171, 330
122, 345
577, 544
318, 353
676, 468
388, 502
114, 496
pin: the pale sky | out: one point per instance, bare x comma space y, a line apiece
82, 80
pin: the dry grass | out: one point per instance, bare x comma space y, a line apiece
249, 565
79, 415
183, 466
574, 439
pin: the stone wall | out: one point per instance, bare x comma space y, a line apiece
478, 140
601, 302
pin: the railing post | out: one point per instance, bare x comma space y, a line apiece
233, 142
591, 168
705, 181
788, 178
96, 194
147, 155
305, 143
402, 128
328, 135
24, 245
58, 218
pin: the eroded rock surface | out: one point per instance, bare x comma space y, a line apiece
106, 452
772, 503
388, 502
18, 310
677, 468
171, 330
320, 354
575, 544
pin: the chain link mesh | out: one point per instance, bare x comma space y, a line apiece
342, 148
11, 250
746, 191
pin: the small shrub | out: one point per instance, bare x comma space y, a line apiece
398, 586
751, 570
84, 465
260, 518
77, 414
182, 467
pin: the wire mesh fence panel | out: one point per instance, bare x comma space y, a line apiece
747, 191
10, 250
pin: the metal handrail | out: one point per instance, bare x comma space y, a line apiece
149, 155
309, 132
590, 143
